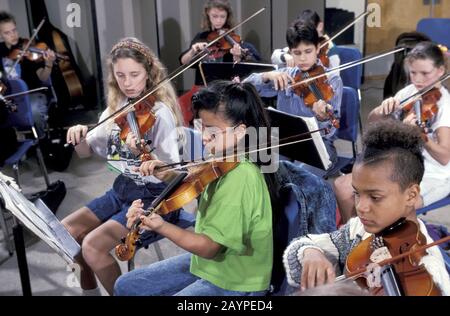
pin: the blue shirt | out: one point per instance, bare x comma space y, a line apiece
288, 101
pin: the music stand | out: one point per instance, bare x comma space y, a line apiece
228, 70
41, 221
313, 151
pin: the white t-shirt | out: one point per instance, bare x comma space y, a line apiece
105, 141
442, 119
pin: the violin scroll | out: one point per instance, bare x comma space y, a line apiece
127, 249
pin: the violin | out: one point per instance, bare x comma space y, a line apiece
425, 109
315, 90
403, 276
139, 122
323, 51
33, 53
222, 46
8, 104
182, 190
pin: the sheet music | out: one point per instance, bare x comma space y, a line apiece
317, 139
40, 220
311, 125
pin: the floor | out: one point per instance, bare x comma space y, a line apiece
89, 178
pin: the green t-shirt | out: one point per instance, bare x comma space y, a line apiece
235, 211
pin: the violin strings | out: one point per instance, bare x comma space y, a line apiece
355, 274
425, 90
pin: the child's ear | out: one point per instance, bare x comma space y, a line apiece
240, 130
441, 71
413, 194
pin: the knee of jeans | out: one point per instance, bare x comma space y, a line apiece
119, 287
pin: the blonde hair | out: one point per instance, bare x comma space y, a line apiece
131, 47
218, 4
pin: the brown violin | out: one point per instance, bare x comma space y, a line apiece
393, 260
315, 90
223, 46
182, 190
323, 51
425, 109
138, 122
33, 53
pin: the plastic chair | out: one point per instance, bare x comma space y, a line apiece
192, 150
351, 77
22, 120
348, 130
438, 204
437, 29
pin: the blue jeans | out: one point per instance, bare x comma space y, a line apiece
170, 277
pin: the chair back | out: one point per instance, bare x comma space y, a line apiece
23, 118
437, 29
351, 77
348, 129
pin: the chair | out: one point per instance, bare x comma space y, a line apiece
192, 150
351, 77
433, 206
348, 129
21, 120
437, 29
438, 204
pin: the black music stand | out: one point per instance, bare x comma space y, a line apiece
228, 70
313, 151
38, 218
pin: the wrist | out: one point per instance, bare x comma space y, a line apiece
49, 66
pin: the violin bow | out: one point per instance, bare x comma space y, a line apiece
358, 272
26, 46
349, 65
9, 96
197, 58
182, 164
425, 90
345, 28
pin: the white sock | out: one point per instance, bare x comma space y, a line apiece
93, 292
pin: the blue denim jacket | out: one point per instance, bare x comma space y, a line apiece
309, 206
288, 101
315, 198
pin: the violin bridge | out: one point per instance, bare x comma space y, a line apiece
380, 254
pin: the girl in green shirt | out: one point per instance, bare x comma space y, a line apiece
230, 252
